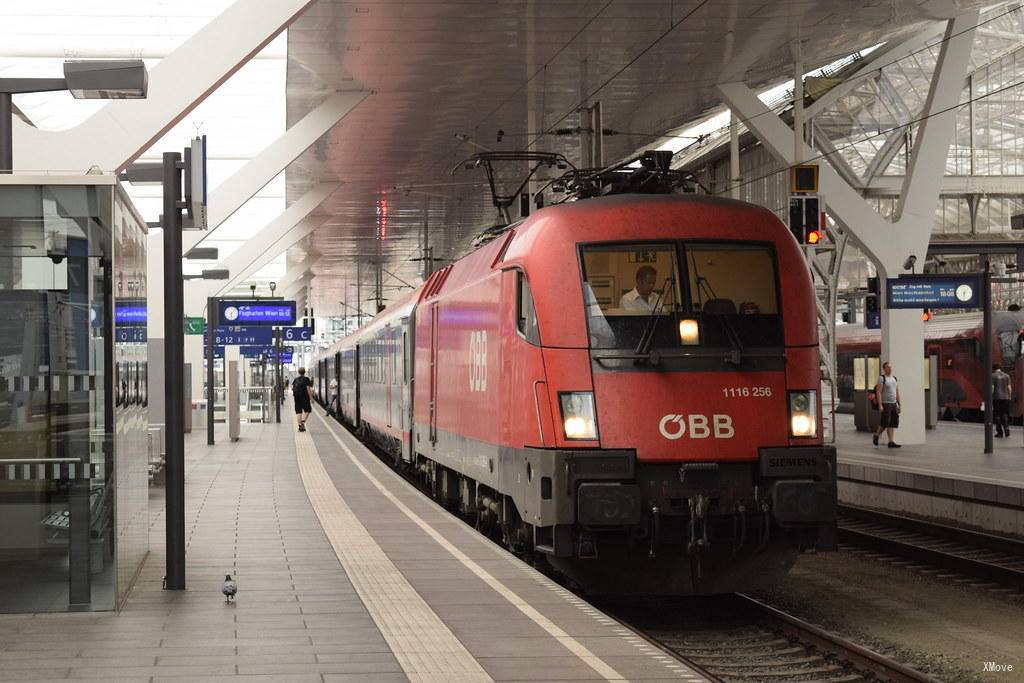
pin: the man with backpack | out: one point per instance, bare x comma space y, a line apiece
887, 398
302, 394
1001, 394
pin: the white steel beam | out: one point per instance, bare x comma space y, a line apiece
887, 243
298, 286
123, 129
952, 186
935, 133
298, 271
241, 186
883, 56
296, 222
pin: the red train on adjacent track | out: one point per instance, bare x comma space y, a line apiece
956, 341
625, 385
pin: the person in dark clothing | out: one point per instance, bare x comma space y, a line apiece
1001, 393
302, 394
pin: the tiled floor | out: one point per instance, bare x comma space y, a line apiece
298, 616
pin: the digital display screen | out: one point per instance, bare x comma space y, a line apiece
130, 313
933, 291
256, 312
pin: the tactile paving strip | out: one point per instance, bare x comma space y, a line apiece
601, 667
424, 646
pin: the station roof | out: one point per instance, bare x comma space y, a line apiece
447, 76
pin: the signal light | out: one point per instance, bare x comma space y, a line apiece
926, 315
871, 303
806, 218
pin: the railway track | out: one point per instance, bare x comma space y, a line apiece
969, 555
737, 639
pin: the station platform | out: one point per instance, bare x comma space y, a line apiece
949, 478
345, 573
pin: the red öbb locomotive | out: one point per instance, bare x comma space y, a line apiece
626, 385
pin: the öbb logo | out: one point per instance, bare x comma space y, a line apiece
698, 426
478, 360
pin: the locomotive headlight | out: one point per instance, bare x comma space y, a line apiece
802, 418
689, 332
579, 418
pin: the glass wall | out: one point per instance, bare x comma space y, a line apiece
58, 475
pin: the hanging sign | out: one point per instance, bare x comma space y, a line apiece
934, 291
250, 312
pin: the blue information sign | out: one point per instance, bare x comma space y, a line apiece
241, 336
251, 312
256, 351
297, 333
873, 320
131, 334
269, 351
130, 312
934, 291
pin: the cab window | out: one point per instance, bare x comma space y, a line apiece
526, 313
624, 286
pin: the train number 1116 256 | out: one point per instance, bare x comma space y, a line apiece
746, 392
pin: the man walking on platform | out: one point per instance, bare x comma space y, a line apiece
1001, 392
302, 395
887, 398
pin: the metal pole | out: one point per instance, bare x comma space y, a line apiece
6, 133
211, 324
597, 124
734, 156
798, 109
279, 389
987, 354
427, 265
174, 366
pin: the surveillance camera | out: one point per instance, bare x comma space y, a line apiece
273, 286
55, 256
909, 263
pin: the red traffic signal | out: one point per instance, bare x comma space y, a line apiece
926, 315
813, 236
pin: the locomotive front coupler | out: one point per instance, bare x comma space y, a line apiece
698, 515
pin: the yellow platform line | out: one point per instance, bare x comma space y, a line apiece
601, 667
424, 646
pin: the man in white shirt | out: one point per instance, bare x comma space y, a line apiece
642, 297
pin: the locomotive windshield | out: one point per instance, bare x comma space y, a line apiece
672, 295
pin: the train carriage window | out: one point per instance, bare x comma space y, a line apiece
526, 312
1008, 346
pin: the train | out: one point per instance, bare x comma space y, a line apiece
624, 387
956, 339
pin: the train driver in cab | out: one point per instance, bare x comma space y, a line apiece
642, 297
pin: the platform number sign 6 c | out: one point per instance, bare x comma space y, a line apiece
478, 360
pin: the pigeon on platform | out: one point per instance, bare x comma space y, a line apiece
229, 588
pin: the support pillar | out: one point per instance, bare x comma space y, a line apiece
887, 243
